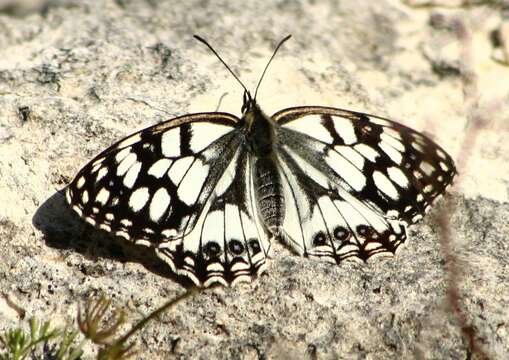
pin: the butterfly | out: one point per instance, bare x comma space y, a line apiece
210, 192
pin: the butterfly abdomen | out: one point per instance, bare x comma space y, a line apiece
269, 194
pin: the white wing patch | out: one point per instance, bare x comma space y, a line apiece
189, 189
351, 155
391, 152
392, 141
366, 151
102, 196
126, 163
138, 199
346, 170
385, 185
132, 175
159, 204
305, 126
170, 143
121, 155
398, 177
345, 129
232, 221
101, 173
159, 168
203, 132
180, 168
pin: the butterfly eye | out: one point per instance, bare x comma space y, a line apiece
245, 103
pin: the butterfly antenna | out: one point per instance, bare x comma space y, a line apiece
268, 63
219, 57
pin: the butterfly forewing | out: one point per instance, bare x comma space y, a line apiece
151, 186
398, 169
356, 180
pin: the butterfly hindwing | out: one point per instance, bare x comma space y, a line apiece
152, 185
355, 179
323, 220
228, 243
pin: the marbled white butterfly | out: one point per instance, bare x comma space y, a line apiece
209, 192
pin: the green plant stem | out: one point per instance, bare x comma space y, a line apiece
156, 313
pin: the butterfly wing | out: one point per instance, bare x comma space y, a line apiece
356, 180
163, 185
229, 243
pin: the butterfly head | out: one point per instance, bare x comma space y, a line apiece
251, 113
248, 102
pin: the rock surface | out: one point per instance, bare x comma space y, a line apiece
77, 75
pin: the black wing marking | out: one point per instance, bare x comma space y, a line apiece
152, 186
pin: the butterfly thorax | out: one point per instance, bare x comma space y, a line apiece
259, 132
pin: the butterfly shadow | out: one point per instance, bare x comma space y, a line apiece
63, 230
